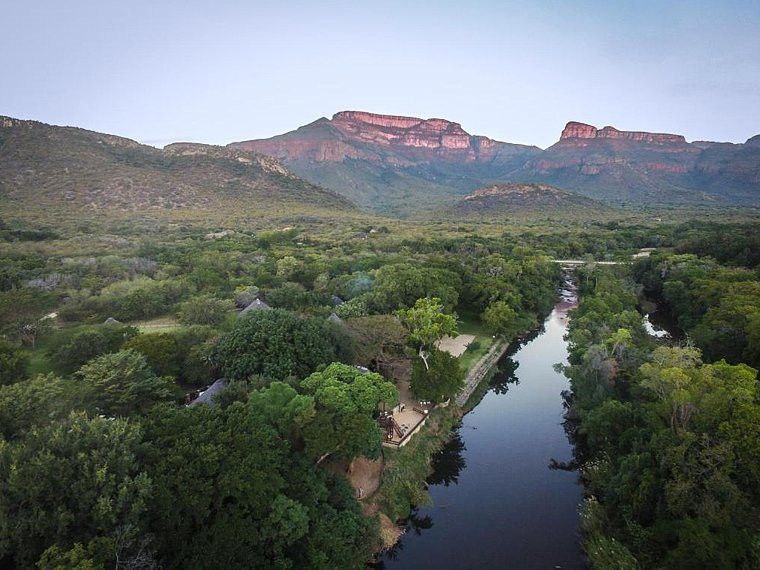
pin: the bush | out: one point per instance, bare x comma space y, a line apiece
13, 363
122, 384
161, 351
71, 349
184, 353
204, 310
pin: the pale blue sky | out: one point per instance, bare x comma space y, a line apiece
221, 71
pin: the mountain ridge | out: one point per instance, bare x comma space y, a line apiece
380, 161
45, 165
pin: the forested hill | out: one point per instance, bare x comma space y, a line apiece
44, 166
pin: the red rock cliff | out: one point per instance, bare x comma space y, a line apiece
575, 130
407, 131
410, 139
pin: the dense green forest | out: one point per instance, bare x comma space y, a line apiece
667, 434
107, 334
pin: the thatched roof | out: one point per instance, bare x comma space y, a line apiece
257, 305
208, 395
335, 319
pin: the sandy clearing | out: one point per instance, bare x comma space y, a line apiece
457, 346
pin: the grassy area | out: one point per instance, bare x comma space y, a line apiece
469, 323
160, 324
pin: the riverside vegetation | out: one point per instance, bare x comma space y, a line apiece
117, 306
667, 433
105, 330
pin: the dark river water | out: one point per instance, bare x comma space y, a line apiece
496, 502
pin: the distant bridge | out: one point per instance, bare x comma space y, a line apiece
643, 252
578, 262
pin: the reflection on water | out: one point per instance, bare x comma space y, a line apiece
503, 492
504, 376
448, 462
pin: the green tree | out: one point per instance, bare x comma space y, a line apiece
275, 344
13, 363
229, 487
204, 310
161, 352
442, 378
346, 400
427, 322
501, 318
122, 383
400, 285
33, 402
68, 351
71, 481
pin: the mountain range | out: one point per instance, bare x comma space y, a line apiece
385, 164
400, 165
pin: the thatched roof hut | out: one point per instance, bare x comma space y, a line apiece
208, 395
257, 305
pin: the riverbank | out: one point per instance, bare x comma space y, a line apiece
404, 483
495, 500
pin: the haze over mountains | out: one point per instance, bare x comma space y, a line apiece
399, 165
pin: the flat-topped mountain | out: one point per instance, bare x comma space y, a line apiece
516, 199
636, 166
356, 134
392, 164
579, 133
43, 166
401, 165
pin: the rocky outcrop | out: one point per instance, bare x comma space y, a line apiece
511, 199
404, 131
574, 130
265, 162
348, 134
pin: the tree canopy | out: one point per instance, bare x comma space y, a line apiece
275, 344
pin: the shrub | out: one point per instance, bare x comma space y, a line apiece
204, 310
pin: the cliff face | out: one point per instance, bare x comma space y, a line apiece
574, 131
370, 136
398, 165
392, 164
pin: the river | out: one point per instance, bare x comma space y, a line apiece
496, 502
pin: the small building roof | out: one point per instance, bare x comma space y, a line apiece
335, 319
257, 305
208, 395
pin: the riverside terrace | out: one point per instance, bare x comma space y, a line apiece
408, 417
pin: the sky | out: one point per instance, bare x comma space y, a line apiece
228, 70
